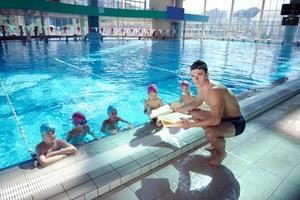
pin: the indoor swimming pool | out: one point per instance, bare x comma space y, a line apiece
49, 82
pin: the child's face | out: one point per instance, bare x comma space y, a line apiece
49, 137
152, 94
79, 123
113, 114
185, 88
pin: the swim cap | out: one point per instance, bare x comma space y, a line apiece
110, 109
45, 128
184, 83
78, 118
152, 88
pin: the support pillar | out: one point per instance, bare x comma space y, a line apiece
258, 33
178, 25
43, 24
26, 22
184, 28
93, 23
203, 24
74, 26
167, 25
230, 21
290, 31
81, 22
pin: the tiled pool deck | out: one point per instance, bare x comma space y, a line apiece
262, 163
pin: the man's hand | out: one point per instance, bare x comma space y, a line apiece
185, 124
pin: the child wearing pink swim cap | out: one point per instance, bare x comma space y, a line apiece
152, 102
186, 97
81, 132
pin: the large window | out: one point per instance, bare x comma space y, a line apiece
218, 18
271, 23
189, 6
112, 26
125, 4
245, 19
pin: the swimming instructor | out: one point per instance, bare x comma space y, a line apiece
224, 118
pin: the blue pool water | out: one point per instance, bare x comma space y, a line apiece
48, 82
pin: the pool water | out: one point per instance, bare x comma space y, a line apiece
49, 82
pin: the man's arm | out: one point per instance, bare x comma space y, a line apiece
194, 104
216, 110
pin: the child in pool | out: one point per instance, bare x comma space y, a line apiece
81, 132
51, 150
152, 102
110, 125
186, 97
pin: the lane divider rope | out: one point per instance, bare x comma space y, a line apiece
21, 130
76, 67
97, 75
